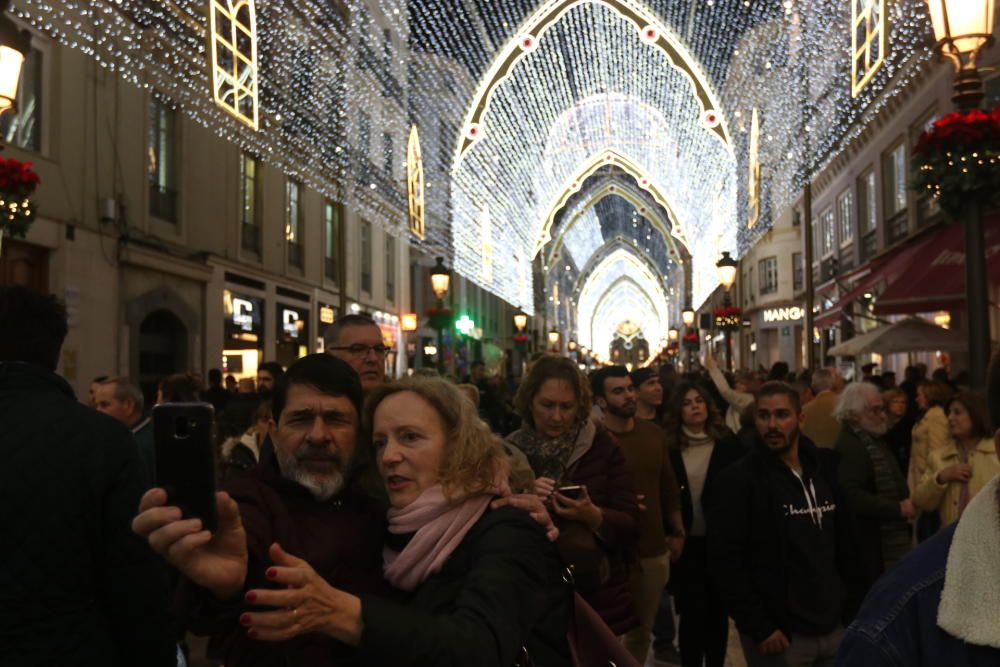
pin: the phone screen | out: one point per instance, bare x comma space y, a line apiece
573, 492
185, 461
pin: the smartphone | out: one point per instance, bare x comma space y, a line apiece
573, 492
185, 458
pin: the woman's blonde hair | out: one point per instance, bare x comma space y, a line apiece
473, 456
553, 367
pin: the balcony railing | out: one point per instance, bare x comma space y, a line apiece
162, 202
250, 237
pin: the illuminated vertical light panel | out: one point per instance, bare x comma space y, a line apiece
234, 58
868, 41
486, 244
753, 178
415, 184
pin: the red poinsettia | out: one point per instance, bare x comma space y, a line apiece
960, 130
520, 338
17, 179
691, 338
728, 311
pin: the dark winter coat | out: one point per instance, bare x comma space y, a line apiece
77, 586
749, 545
341, 538
725, 453
501, 589
856, 474
610, 485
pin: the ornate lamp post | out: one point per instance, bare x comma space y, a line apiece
14, 46
687, 316
963, 29
554, 340
726, 268
441, 317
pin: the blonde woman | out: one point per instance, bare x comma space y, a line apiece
959, 470
929, 434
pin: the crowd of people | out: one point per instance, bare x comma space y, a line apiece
565, 519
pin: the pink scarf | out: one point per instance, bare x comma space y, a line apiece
439, 526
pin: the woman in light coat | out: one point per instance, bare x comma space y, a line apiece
960, 469
929, 434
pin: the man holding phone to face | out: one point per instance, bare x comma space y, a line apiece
645, 448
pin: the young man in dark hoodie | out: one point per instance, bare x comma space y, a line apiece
781, 546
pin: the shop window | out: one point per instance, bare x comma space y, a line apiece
22, 126
366, 256
868, 41
845, 217
768, 275
331, 226
234, 58
161, 158
250, 229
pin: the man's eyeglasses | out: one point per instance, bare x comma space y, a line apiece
361, 350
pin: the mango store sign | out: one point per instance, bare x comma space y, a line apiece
790, 314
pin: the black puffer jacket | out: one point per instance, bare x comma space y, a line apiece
77, 587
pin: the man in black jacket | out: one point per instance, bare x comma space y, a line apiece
781, 545
77, 587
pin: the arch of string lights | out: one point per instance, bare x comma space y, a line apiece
621, 267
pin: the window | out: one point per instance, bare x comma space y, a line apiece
869, 205
293, 223
896, 180
826, 232
250, 232
390, 268
753, 178
798, 272
387, 149
768, 273
161, 167
868, 41
415, 184
234, 58
331, 225
845, 217
22, 127
364, 135
366, 256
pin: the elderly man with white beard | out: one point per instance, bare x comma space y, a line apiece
872, 481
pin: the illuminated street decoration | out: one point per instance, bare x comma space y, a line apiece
415, 184
234, 58
486, 244
753, 178
868, 43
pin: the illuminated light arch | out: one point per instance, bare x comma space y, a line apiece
233, 43
601, 159
609, 248
624, 299
612, 187
415, 183
651, 31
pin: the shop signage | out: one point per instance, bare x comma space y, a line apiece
243, 312
290, 322
408, 322
326, 315
293, 323
789, 314
244, 320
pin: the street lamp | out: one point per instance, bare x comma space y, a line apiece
14, 45
963, 28
727, 267
672, 335
687, 316
571, 345
520, 321
440, 282
554, 340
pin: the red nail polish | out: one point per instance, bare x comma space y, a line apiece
245, 619
251, 633
272, 572
250, 596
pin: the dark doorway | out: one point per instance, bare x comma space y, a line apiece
162, 351
24, 264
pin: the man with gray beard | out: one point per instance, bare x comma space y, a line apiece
872, 481
303, 496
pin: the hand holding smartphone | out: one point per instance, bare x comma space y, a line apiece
573, 492
185, 460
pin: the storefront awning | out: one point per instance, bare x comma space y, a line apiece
885, 269
935, 278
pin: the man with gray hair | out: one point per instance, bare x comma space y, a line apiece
818, 423
357, 339
119, 398
872, 481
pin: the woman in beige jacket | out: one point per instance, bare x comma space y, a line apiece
959, 470
931, 432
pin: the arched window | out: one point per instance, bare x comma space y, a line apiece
415, 184
234, 58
